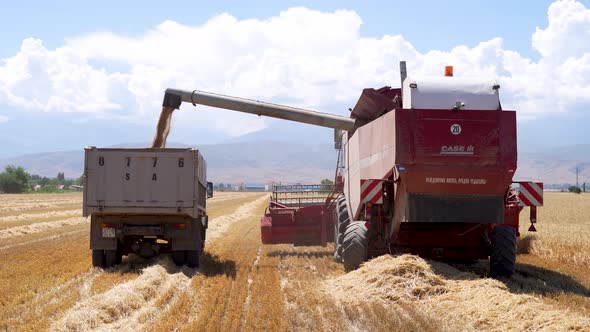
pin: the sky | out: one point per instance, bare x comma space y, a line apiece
75, 74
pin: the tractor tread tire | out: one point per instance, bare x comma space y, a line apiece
341, 221
97, 257
179, 257
503, 255
355, 245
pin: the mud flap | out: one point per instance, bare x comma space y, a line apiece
97, 240
189, 239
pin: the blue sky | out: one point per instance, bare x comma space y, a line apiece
74, 74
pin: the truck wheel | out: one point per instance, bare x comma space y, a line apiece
110, 258
119, 253
355, 245
179, 257
97, 258
192, 258
503, 256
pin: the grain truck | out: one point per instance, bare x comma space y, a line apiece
146, 202
425, 168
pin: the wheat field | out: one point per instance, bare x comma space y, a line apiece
47, 282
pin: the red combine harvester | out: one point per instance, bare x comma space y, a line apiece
426, 168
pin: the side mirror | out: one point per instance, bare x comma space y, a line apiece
209, 189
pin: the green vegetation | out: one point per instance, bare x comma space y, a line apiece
574, 189
14, 180
326, 184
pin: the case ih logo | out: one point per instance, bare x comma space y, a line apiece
457, 149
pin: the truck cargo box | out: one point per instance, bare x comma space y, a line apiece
144, 181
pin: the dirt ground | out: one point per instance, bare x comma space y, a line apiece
47, 282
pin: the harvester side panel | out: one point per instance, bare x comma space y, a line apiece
371, 155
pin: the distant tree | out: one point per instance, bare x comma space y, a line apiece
14, 180
60, 177
44, 181
326, 184
574, 189
79, 181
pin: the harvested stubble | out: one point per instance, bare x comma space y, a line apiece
449, 298
54, 275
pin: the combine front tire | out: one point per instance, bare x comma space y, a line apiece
341, 222
355, 245
503, 256
337, 257
97, 258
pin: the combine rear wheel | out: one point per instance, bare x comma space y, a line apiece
355, 245
503, 256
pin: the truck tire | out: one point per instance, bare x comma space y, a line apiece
503, 255
110, 258
179, 257
97, 258
355, 245
192, 258
119, 253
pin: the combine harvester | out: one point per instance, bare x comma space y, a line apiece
427, 168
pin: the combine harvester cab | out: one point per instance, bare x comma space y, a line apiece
427, 168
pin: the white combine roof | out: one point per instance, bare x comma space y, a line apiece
468, 93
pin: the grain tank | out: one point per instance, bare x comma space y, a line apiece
427, 168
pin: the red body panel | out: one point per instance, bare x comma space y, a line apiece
299, 225
480, 160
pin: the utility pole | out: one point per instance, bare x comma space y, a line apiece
577, 172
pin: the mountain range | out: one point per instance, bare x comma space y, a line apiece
265, 161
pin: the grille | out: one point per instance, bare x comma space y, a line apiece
456, 208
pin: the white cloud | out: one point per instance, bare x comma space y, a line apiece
301, 57
3, 118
